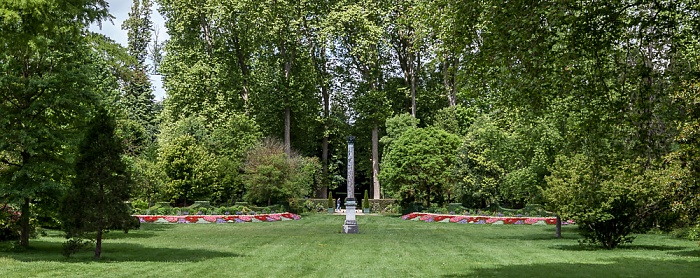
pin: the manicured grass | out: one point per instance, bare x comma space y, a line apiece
386, 247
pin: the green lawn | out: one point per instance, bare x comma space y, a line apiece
385, 247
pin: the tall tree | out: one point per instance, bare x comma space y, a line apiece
96, 201
406, 43
208, 67
419, 164
138, 95
359, 31
319, 44
44, 90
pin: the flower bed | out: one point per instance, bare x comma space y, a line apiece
217, 218
467, 219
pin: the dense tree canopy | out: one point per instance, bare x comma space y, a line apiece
45, 92
589, 108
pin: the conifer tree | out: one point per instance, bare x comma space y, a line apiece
95, 202
138, 97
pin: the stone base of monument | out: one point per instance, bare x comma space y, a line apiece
350, 227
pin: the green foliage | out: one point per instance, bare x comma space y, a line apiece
609, 204
314, 205
455, 119
689, 233
46, 90
419, 164
270, 176
396, 126
331, 201
498, 166
686, 195
74, 245
479, 166
96, 201
202, 160
189, 169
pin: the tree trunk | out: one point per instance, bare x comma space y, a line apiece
323, 190
287, 108
414, 66
98, 242
24, 223
242, 58
287, 130
449, 79
558, 229
375, 161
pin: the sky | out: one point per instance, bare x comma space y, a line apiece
120, 10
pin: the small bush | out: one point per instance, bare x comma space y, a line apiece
221, 210
310, 205
365, 201
74, 245
139, 204
392, 209
690, 233
9, 223
163, 211
381, 205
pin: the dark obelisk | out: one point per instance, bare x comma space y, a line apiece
350, 225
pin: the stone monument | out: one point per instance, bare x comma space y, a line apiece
350, 225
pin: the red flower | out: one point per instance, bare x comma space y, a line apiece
261, 217
192, 218
150, 218
439, 218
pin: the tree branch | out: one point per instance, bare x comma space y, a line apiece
3, 160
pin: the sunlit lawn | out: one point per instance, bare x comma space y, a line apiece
386, 247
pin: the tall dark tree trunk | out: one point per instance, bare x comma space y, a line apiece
24, 218
98, 242
243, 65
324, 152
24, 223
323, 190
287, 108
558, 229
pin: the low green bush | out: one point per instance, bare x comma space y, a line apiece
365, 201
382, 205
73, 245
331, 203
314, 205
162, 211
139, 204
690, 232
